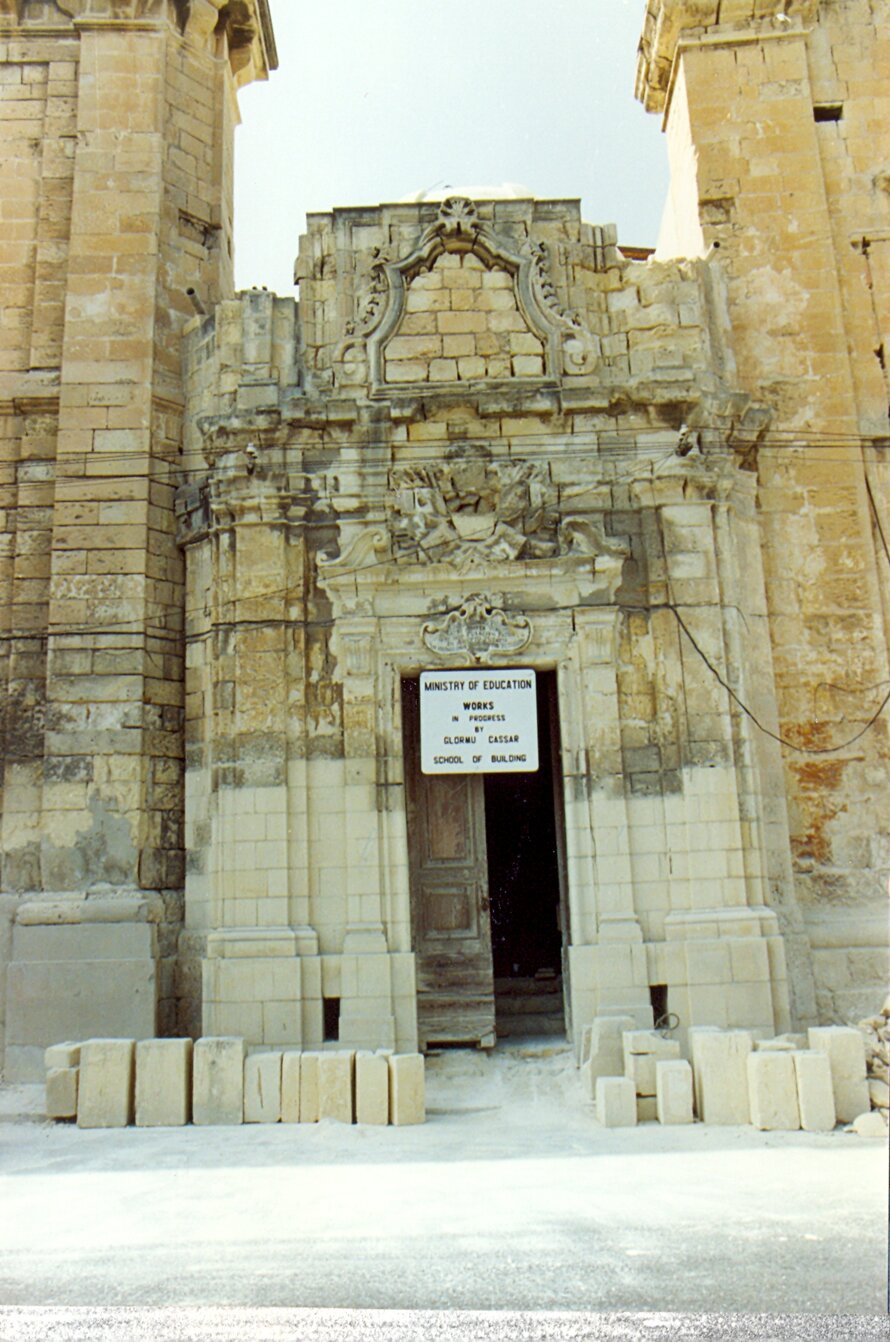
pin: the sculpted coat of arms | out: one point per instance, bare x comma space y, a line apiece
470, 509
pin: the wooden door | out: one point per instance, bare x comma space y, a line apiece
449, 897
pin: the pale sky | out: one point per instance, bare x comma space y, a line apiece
374, 100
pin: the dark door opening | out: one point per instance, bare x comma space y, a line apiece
524, 862
486, 863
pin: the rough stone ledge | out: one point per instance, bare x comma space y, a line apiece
145, 907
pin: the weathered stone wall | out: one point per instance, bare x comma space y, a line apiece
659, 479
117, 124
773, 117
351, 500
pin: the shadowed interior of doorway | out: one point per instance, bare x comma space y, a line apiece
524, 889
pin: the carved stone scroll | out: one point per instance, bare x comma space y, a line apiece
567, 346
479, 629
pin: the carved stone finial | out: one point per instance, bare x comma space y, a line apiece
458, 217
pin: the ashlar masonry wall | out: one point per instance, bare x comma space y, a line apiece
773, 116
328, 549
117, 123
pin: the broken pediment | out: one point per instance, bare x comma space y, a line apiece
463, 304
462, 322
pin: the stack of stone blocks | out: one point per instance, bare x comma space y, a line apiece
786, 1083
112, 1083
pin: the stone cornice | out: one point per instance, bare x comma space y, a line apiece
245, 24
672, 23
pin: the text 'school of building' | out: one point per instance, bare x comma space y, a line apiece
642, 502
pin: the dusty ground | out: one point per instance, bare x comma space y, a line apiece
510, 1197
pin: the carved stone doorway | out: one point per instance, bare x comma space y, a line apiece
488, 907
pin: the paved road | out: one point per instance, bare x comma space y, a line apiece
519, 1202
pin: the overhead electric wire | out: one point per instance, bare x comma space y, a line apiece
605, 443
424, 453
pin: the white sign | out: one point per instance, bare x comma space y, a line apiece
478, 722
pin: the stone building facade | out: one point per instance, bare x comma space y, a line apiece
484, 439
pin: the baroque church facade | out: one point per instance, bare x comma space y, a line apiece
486, 446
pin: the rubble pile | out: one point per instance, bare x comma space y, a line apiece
876, 1030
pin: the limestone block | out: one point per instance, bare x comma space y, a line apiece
51, 1000
290, 1086
163, 1083
673, 1090
309, 1087
335, 1085
407, 1091
879, 1093
218, 1081
616, 1102
61, 1092
871, 1124
371, 1088
783, 1043
62, 1055
815, 1093
846, 1054
720, 1068
602, 1049
262, 1088
772, 1091
641, 1051
105, 1087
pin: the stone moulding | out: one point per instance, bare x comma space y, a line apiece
569, 348
479, 629
367, 579
668, 22
363, 552
246, 25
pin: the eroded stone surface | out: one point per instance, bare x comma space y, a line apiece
163, 1082
218, 1081
105, 1085
487, 433
616, 1102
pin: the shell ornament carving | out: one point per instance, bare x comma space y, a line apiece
479, 629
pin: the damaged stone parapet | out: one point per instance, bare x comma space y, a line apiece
477, 293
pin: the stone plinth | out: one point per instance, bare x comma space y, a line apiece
290, 1086
371, 1088
309, 1087
105, 1088
719, 1064
673, 1091
407, 1095
262, 1088
335, 1086
218, 1084
616, 1102
602, 1049
61, 1092
815, 1093
163, 1082
772, 1091
641, 1050
846, 1054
